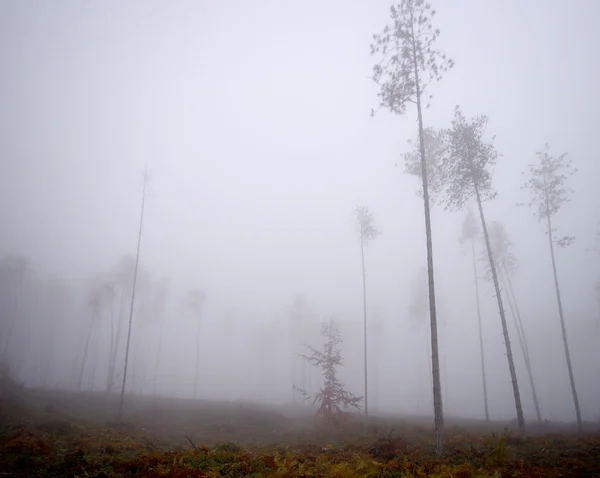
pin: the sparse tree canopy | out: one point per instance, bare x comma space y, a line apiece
435, 147
367, 231
406, 49
407, 66
470, 231
470, 228
468, 168
332, 397
469, 161
547, 185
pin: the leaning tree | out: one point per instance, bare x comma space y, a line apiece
470, 231
468, 164
367, 232
409, 64
507, 268
547, 184
146, 179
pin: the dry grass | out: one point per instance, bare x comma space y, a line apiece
67, 434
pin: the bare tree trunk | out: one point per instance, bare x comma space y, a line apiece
85, 353
509, 354
137, 260
512, 302
428, 348
96, 347
564, 330
112, 346
438, 410
113, 361
134, 368
485, 397
375, 385
362, 256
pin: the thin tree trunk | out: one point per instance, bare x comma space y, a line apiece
112, 345
362, 256
564, 330
437, 387
514, 308
113, 362
375, 385
85, 353
96, 346
428, 348
134, 367
445, 381
509, 354
485, 397
137, 260
512, 297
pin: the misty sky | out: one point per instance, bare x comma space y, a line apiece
254, 121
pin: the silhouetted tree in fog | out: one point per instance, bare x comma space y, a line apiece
367, 232
507, 267
468, 165
470, 231
146, 178
333, 396
195, 301
408, 65
121, 277
547, 185
435, 146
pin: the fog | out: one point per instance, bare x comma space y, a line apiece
253, 120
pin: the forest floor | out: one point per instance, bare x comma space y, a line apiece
53, 433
